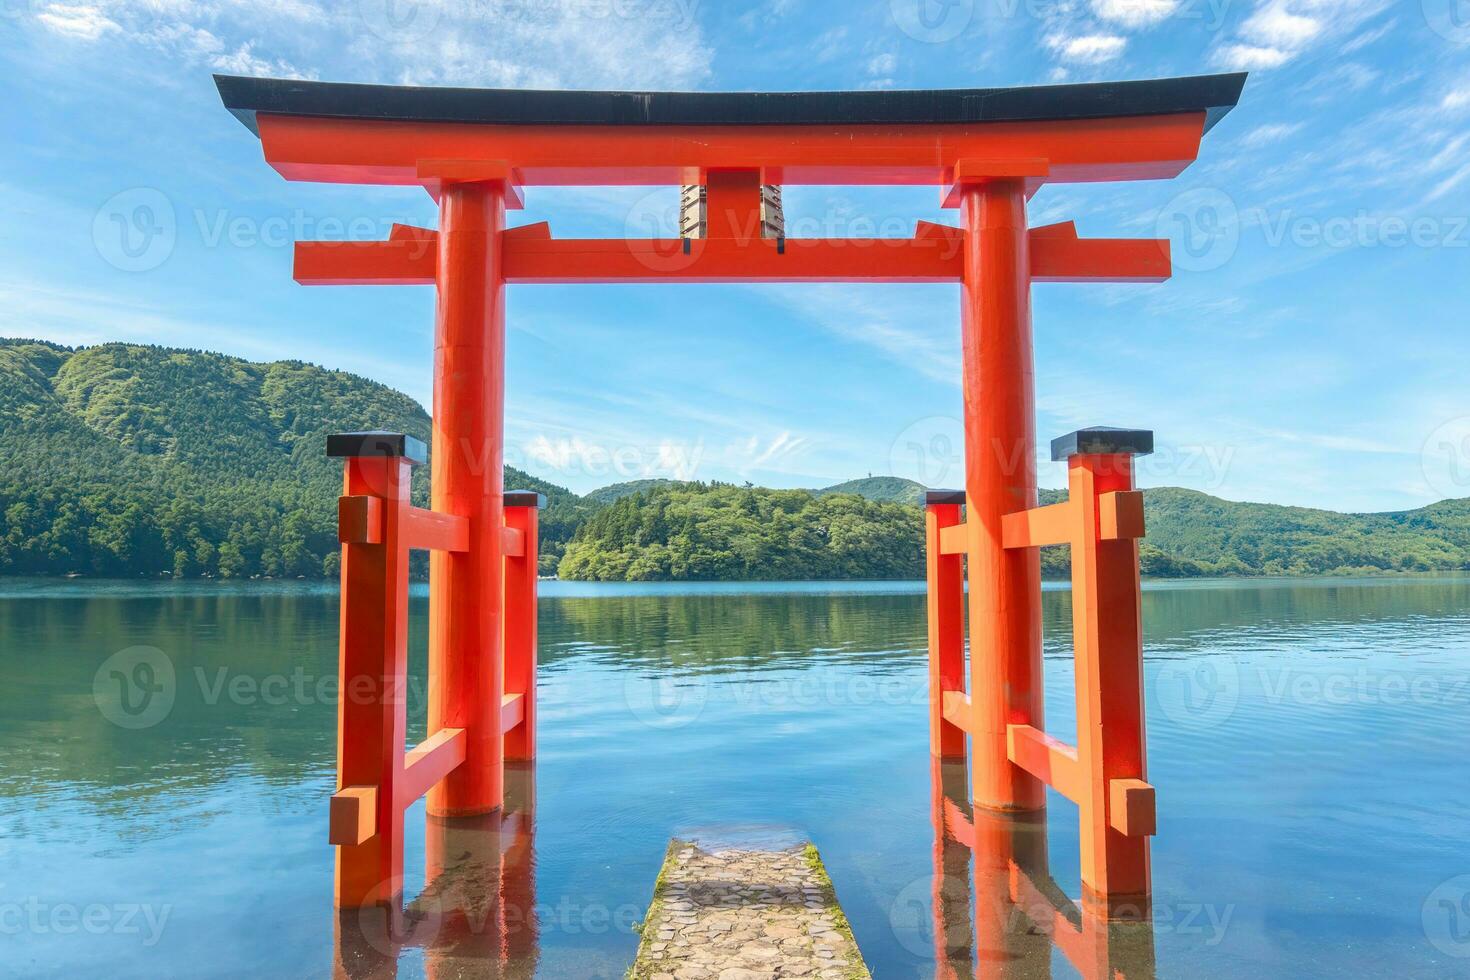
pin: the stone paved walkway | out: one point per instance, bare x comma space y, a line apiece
745, 915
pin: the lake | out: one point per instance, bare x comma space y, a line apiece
1306, 737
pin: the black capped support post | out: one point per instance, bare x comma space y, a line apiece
348, 445
525, 498
933, 497
1102, 440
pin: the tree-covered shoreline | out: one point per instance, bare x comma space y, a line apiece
128, 461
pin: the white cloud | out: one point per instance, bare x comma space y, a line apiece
1277, 26
244, 61
83, 23
882, 64
1457, 99
1270, 133
1249, 57
1279, 30
549, 45
1087, 49
1134, 13
828, 45
1448, 184
749, 455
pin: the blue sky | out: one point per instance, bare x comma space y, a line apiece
1311, 349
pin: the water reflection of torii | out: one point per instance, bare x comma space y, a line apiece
1019, 911
475, 915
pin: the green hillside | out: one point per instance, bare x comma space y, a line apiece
716, 531
132, 460
614, 492
883, 489
699, 531
127, 460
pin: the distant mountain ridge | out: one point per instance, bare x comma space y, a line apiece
126, 460
882, 489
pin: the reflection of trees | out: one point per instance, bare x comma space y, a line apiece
53, 735
254, 691
730, 632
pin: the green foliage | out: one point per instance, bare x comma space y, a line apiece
885, 489
697, 531
718, 532
126, 460
614, 492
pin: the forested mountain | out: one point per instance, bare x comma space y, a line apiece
715, 531
133, 460
126, 460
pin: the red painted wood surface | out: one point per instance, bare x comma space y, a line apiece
354, 151
1000, 479
372, 677
1108, 640
520, 633
466, 677
946, 607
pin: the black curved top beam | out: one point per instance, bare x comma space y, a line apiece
1214, 95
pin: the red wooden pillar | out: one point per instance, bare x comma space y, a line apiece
521, 519
466, 682
1000, 478
1117, 803
946, 607
367, 820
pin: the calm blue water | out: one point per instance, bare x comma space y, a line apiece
1307, 739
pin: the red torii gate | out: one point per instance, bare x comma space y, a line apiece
988, 150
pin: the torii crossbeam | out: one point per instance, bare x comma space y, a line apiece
987, 151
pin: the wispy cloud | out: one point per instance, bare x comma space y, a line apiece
877, 318
1277, 31
1251, 57
1135, 13
81, 22
1087, 49
554, 45
1270, 133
